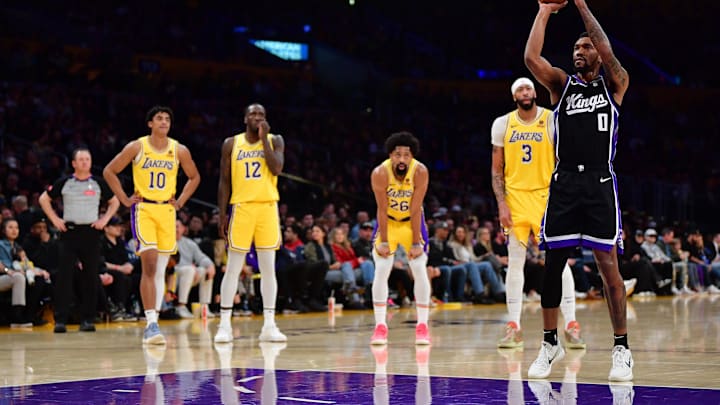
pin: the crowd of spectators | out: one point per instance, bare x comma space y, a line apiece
73, 78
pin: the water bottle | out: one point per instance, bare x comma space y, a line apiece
331, 302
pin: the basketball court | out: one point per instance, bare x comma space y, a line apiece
327, 360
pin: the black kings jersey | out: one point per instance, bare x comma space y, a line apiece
586, 124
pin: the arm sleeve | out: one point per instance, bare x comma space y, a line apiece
497, 132
55, 190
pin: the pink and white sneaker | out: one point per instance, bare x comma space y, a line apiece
380, 335
422, 334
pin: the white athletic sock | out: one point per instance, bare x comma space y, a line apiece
151, 316
567, 304
229, 285
162, 262
268, 284
383, 267
418, 266
515, 279
225, 315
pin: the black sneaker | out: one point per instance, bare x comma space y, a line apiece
86, 326
60, 328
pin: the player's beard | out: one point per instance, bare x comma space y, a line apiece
526, 106
401, 172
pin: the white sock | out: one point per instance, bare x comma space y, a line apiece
567, 304
268, 284
418, 266
229, 284
383, 267
162, 262
225, 315
515, 279
151, 316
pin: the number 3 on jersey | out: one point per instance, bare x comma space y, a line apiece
527, 157
252, 170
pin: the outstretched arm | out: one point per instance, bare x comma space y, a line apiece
551, 77
617, 76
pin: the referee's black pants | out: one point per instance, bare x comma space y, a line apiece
81, 243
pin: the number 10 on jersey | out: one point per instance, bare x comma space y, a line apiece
157, 180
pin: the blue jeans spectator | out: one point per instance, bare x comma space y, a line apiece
346, 275
456, 273
479, 271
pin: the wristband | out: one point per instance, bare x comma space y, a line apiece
417, 245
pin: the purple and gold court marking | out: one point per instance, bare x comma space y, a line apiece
254, 386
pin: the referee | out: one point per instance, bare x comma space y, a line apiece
81, 227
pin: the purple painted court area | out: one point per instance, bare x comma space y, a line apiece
253, 386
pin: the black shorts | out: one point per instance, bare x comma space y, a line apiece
582, 210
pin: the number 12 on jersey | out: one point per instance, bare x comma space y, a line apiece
252, 170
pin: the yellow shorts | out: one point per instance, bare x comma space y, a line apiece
400, 233
153, 225
527, 209
257, 222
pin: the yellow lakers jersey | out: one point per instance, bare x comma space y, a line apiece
529, 153
252, 180
155, 172
400, 192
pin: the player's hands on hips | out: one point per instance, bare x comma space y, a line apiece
416, 251
129, 201
504, 216
383, 249
263, 130
554, 7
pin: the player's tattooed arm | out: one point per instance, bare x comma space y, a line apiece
618, 77
498, 173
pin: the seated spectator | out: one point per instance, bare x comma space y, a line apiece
20, 276
712, 252
477, 270
116, 272
680, 276
300, 281
193, 268
363, 243
363, 268
41, 247
698, 255
483, 249
453, 274
660, 261
635, 264
319, 253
